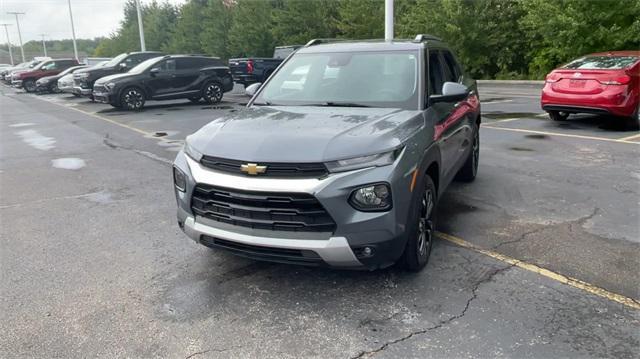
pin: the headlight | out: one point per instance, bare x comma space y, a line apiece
82, 75
179, 179
371, 198
378, 160
109, 86
192, 152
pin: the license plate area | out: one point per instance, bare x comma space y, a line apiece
577, 83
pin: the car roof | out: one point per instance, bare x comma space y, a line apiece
190, 56
617, 53
369, 45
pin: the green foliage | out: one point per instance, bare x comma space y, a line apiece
492, 38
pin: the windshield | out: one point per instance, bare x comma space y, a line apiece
602, 62
35, 63
351, 79
143, 66
116, 60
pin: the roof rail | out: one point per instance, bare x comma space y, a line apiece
324, 41
425, 37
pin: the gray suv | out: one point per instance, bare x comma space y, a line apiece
338, 159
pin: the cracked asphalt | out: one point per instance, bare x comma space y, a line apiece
93, 264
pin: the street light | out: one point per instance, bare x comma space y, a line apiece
142, 44
6, 30
19, 35
73, 32
44, 45
388, 20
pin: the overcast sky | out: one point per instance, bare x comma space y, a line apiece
92, 18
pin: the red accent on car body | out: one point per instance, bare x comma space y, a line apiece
250, 66
469, 105
616, 91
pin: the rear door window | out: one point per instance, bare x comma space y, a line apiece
602, 62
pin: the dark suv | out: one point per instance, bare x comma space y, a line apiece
339, 158
166, 78
84, 79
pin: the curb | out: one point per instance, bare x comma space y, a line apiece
510, 82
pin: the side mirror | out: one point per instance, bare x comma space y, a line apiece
252, 89
451, 92
123, 66
154, 71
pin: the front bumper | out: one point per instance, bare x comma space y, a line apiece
103, 97
16, 83
82, 91
384, 232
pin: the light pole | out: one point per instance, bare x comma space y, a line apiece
44, 45
140, 29
6, 30
388, 20
19, 34
73, 32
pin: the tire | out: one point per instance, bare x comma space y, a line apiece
29, 85
421, 227
76, 95
212, 93
54, 88
558, 115
469, 170
195, 99
115, 105
132, 98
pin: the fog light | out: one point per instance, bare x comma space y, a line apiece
364, 252
375, 197
179, 179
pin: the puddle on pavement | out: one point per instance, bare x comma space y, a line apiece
537, 137
502, 115
159, 114
174, 109
159, 134
224, 107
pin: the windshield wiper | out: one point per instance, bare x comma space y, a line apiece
343, 104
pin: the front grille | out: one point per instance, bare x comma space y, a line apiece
274, 169
281, 255
297, 212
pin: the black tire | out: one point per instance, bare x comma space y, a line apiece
29, 85
116, 105
132, 98
212, 93
195, 99
469, 170
76, 95
54, 88
634, 121
421, 226
558, 115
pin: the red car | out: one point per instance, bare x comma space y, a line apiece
601, 83
27, 79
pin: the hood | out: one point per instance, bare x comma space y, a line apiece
47, 79
305, 134
109, 78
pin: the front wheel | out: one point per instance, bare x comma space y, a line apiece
469, 170
29, 85
558, 115
421, 227
213, 93
132, 99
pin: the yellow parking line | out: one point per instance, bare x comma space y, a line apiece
573, 282
622, 140
628, 138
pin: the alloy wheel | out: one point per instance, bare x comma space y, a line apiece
213, 93
134, 99
425, 224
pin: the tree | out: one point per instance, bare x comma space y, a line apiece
250, 32
361, 19
189, 29
561, 30
217, 22
298, 21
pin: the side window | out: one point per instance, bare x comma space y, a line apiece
452, 72
435, 73
190, 63
50, 66
168, 65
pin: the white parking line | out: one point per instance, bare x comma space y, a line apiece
622, 140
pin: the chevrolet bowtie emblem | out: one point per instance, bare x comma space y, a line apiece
253, 169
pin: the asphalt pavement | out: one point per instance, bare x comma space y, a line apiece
538, 257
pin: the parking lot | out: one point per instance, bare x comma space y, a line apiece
538, 257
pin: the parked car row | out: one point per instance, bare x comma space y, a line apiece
128, 80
